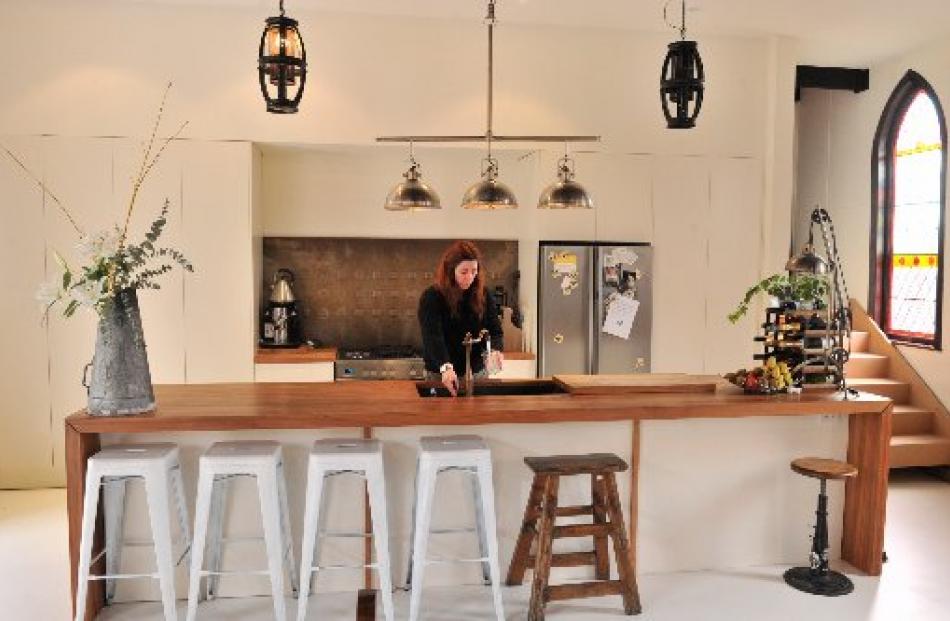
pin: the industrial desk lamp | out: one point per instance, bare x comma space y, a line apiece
837, 344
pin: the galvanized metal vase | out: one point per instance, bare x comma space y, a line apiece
121, 383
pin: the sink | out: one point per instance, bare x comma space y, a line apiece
495, 388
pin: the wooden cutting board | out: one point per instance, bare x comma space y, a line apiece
637, 383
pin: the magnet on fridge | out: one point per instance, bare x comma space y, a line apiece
624, 255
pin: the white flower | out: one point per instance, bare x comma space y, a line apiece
102, 245
88, 293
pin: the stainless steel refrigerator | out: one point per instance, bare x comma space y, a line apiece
595, 307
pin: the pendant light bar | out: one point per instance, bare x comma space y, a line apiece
489, 192
484, 137
489, 136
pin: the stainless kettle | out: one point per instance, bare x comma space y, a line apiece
281, 290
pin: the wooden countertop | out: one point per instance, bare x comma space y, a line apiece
305, 354
218, 407
298, 355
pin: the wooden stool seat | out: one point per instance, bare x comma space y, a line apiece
567, 465
819, 468
538, 527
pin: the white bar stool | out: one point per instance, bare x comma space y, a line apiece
216, 467
112, 467
465, 453
330, 458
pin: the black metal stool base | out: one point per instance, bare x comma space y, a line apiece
830, 583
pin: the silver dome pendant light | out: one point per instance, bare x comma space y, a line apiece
489, 193
565, 193
412, 194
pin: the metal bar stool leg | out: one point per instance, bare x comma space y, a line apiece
270, 512
113, 501
376, 483
90, 509
202, 516
489, 534
425, 491
220, 486
309, 555
480, 526
157, 485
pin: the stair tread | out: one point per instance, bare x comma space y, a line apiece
875, 381
911, 409
918, 439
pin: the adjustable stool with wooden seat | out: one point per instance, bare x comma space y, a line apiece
538, 525
818, 579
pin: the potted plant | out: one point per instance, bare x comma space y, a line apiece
111, 270
802, 289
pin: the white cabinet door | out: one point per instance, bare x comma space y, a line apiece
219, 295
163, 311
79, 172
735, 208
25, 435
680, 263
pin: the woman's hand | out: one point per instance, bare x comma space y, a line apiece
495, 362
451, 381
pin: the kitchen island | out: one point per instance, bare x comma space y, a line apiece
392, 404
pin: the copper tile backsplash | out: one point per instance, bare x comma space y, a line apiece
357, 292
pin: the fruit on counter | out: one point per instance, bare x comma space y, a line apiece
770, 377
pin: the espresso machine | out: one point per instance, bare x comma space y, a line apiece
280, 324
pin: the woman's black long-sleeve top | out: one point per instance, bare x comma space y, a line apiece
442, 333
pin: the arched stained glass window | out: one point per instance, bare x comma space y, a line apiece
907, 223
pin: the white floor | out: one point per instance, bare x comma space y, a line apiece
34, 583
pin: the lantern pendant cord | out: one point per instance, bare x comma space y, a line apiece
683, 23
682, 26
281, 8
491, 64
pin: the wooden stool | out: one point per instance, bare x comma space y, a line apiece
538, 524
818, 579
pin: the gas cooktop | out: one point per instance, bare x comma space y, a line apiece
376, 363
383, 352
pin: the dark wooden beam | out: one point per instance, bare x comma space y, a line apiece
836, 78
366, 605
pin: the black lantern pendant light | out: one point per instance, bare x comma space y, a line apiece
681, 80
282, 64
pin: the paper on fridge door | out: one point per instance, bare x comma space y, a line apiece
621, 313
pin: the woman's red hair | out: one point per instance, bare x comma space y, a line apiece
445, 277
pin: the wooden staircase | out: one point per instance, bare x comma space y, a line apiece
920, 432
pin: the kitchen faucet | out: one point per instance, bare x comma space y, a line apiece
468, 341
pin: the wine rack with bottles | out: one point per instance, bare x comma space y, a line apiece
804, 340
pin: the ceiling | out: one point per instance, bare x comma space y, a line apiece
832, 32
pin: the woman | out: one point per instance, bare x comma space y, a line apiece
455, 304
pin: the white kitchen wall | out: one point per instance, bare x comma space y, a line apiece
835, 135
198, 327
690, 207
96, 69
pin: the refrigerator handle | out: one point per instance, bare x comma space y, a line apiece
593, 336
